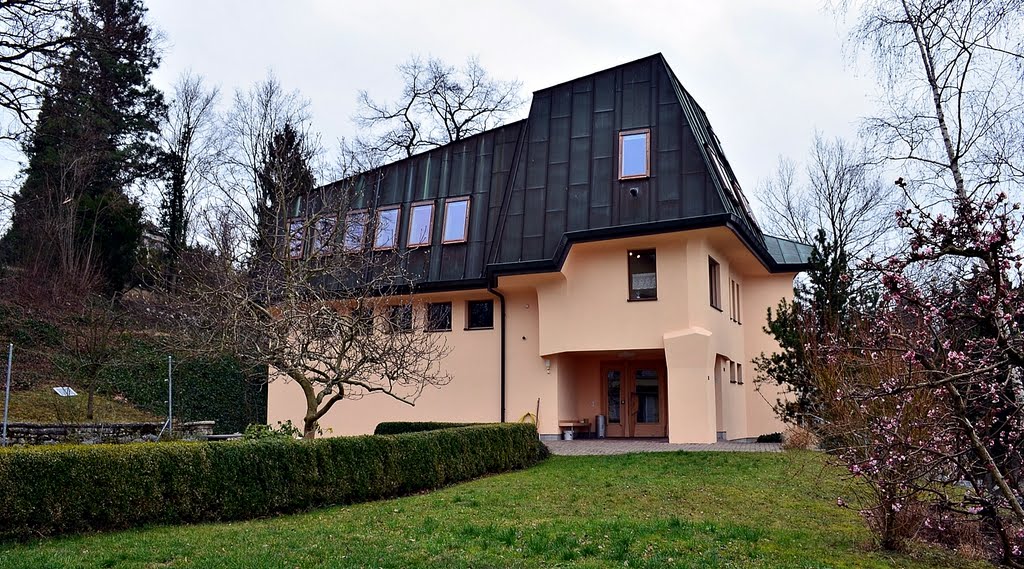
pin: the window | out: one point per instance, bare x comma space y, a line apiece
439, 317
714, 284
387, 228
400, 318
735, 290
739, 374
296, 236
634, 154
355, 230
420, 222
643, 275
479, 314
323, 235
362, 320
456, 220
732, 372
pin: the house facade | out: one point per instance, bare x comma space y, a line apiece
597, 258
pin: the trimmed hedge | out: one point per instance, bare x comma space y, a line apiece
400, 427
54, 490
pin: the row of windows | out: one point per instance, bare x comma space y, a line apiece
438, 318
357, 228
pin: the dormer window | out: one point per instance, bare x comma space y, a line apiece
296, 238
634, 154
355, 231
421, 220
456, 220
387, 228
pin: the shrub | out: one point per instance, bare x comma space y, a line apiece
399, 427
53, 490
798, 438
770, 438
258, 431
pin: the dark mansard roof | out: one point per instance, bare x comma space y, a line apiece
540, 184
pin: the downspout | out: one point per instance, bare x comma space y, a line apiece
501, 301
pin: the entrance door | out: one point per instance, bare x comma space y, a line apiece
634, 398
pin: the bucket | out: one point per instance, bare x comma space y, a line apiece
567, 435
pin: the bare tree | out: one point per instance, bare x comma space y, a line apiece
33, 34
954, 72
837, 192
94, 343
249, 128
439, 104
319, 310
193, 148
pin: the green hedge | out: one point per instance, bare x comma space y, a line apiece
399, 427
205, 389
53, 490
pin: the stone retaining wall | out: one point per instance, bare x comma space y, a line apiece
92, 433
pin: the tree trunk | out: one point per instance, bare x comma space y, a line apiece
89, 406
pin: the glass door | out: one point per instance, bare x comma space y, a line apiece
634, 398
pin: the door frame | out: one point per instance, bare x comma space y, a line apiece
628, 400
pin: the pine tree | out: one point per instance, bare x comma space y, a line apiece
284, 178
93, 140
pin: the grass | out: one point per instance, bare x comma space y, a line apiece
42, 405
650, 510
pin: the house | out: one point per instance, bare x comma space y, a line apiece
597, 258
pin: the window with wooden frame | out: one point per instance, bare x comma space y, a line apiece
400, 318
354, 237
643, 275
323, 234
386, 230
634, 154
439, 317
479, 314
421, 223
296, 238
715, 283
362, 320
456, 220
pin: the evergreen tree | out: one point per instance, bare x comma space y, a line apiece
284, 178
820, 310
93, 140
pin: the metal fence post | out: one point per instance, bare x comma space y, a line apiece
7, 390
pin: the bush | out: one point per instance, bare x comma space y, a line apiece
770, 438
205, 389
399, 427
798, 438
53, 490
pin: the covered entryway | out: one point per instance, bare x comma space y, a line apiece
634, 398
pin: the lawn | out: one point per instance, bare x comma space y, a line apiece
651, 510
42, 405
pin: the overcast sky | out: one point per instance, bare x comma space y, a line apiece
768, 73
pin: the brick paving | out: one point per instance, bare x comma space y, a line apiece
587, 447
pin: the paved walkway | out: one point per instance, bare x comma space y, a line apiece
597, 447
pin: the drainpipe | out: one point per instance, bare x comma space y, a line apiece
501, 301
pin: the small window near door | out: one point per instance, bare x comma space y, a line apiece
439, 317
634, 154
715, 283
479, 314
643, 275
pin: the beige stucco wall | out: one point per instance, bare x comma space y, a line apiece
579, 317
